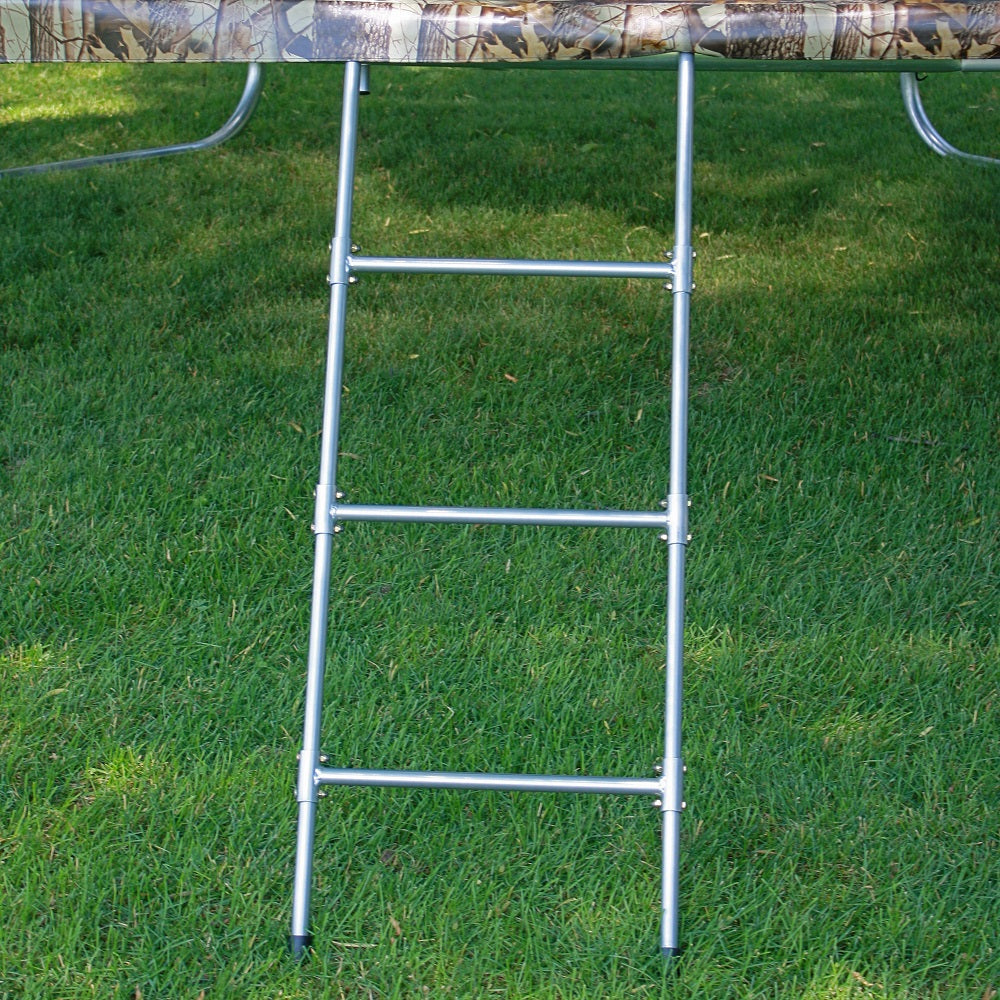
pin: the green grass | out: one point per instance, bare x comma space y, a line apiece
161, 349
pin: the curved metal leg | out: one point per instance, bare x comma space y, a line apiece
918, 117
234, 125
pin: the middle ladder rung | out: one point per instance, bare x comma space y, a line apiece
500, 515
476, 781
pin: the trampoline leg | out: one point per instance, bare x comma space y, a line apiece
671, 802
918, 118
234, 125
309, 757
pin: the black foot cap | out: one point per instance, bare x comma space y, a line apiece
299, 944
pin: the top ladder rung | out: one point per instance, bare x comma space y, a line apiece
523, 268
500, 515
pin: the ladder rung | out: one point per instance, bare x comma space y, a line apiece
500, 515
522, 268
475, 781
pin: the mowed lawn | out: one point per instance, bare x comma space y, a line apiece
162, 337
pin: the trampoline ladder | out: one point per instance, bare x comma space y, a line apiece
670, 521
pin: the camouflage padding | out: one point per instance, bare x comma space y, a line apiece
421, 31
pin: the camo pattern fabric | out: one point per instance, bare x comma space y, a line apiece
423, 31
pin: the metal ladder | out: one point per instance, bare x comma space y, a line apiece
670, 521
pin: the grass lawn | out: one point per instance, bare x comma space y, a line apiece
162, 334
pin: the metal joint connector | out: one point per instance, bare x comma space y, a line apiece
323, 519
672, 785
677, 519
340, 261
307, 789
683, 269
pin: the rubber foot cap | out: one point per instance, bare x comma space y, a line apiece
300, 944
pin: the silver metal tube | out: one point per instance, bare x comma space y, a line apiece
234, 125
523, 268
474, 781
976, 66
677, 509
910, 89
500, 515
309, 756
305, 834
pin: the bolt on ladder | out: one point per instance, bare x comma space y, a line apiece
671, 521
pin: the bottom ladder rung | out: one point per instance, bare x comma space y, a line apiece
501, 515
474, 781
